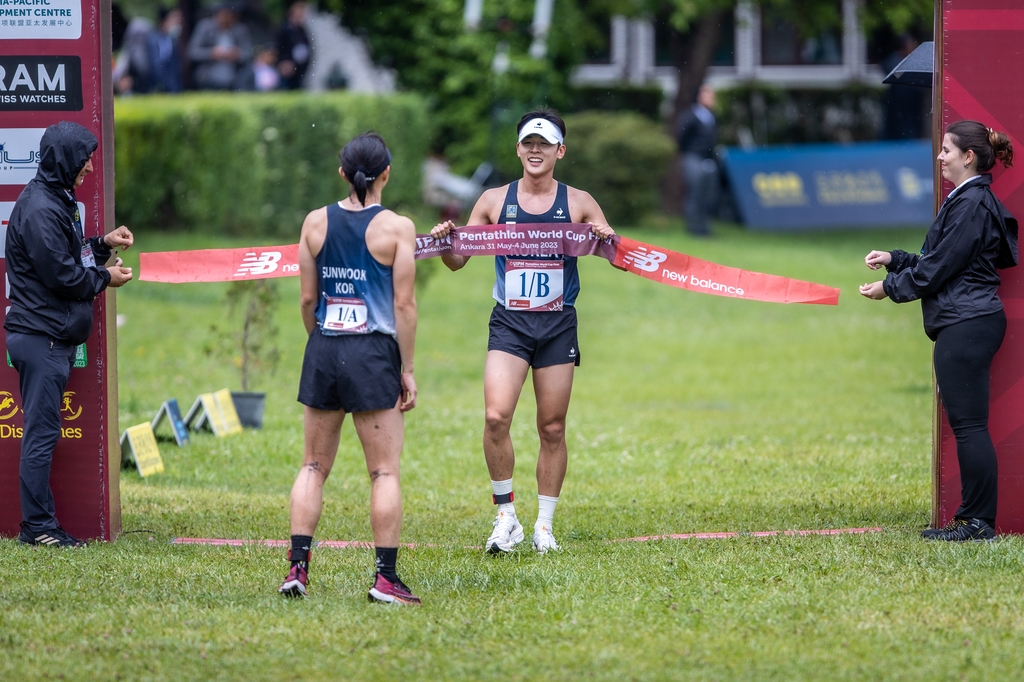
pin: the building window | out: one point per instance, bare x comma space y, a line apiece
664, 35
784, 44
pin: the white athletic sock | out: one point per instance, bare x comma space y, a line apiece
546, 510
504, 488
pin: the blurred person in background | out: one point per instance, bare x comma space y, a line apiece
697, 135
164, 52
261, 75
293, 47
132, 67
219, 50
956, 279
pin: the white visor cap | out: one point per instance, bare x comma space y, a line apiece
543, 127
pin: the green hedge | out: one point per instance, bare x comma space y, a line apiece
254, 163
851, 113
620, 158
642, 99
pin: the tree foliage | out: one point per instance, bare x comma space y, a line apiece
427, 44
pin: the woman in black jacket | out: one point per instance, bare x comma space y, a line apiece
956, 279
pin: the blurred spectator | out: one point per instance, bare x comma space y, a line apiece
264, 71
697, 134
164, 53
293, 47
219, 50
904, 104
131, 70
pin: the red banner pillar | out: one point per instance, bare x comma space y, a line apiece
55, 64
978, 62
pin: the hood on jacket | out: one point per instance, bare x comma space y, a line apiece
63, 152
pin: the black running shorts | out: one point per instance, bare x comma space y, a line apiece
542, 339
351, 372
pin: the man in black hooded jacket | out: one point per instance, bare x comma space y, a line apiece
54, 273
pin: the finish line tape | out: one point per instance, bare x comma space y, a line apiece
358, 544
545, 239
755, 534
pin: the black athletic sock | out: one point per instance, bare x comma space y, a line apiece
299, 553
387, 557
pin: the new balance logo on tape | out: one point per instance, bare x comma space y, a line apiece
262, 264
642, 259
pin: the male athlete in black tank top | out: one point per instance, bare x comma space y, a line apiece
535, 330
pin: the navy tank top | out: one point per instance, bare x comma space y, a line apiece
513, 214
357, 294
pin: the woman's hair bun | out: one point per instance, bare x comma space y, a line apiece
1001, 146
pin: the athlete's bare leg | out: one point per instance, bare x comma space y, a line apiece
553, 387
504, 376
382, 434
322, 433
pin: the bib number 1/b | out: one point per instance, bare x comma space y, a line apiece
533, 285
345, 315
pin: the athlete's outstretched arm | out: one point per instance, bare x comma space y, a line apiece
314, 230
483, 214
403, 272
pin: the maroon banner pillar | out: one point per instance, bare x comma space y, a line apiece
978, 66
55, 65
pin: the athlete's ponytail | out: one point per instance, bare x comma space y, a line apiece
363, 159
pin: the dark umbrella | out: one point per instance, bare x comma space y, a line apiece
916, 67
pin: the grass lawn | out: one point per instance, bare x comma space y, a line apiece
690, 413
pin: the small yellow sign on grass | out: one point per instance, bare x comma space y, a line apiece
216, 410
141, 441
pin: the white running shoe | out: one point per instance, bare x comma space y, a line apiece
507, 533
543, 540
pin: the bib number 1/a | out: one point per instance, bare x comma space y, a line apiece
533, 285
345, 315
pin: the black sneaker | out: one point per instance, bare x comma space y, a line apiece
954, 523
962, 530
55, 537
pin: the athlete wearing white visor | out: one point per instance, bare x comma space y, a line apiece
543, 127
533, 329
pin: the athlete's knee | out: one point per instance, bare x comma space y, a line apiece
552, 432
497, 423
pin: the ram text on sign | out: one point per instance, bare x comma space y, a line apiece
40, 83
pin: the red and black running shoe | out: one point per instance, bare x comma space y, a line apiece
386, 592
294, 584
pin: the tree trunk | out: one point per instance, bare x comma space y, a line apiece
692, 59
189, 19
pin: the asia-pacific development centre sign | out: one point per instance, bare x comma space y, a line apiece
40, 19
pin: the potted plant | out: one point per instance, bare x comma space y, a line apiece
253, 346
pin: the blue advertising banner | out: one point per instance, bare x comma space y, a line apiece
833, 185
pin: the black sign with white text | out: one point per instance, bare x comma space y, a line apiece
40, 83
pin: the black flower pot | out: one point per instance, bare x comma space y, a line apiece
249, 406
